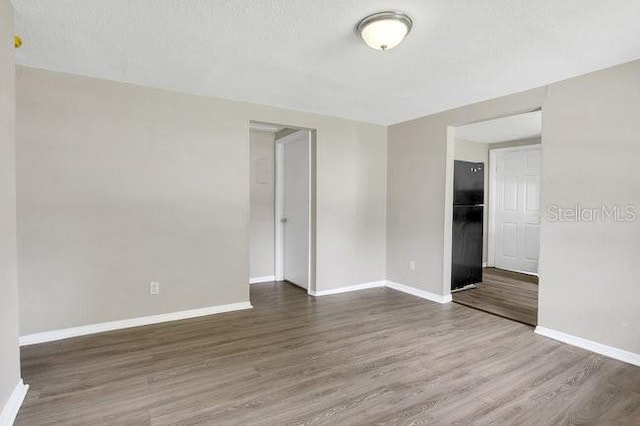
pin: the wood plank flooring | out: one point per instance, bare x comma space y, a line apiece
371, 357
508, 294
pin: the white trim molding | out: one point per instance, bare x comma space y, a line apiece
265, 279
448, 213
599, 348
50, 336
279, 208
13, 404
386, 283
364, 286
420, 293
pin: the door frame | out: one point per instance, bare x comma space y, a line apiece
448, 192
279, 207
493, 171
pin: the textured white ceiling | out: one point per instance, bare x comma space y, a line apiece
304, 54
503, 129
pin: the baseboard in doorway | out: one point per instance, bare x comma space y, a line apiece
517, 271
419, 293
50, 336
599, 348
10, 410
386, 283
265, 279
363, 286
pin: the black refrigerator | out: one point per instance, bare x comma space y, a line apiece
468, 210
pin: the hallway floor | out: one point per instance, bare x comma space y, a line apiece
504, 293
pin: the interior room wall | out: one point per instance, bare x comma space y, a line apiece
262, 204
590, 152
120, 185
590, 140
9, 352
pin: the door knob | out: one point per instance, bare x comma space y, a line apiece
284, 220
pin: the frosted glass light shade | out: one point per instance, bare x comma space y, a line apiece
385, 30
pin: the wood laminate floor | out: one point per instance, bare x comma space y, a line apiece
370, 357
508, 294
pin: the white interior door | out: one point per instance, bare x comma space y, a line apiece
294, 208
516, 208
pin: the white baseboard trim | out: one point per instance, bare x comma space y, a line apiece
265, 279
484, 264
419, 293
599, 348
533, 274
50, 336
385, 283
364, 286
12, 406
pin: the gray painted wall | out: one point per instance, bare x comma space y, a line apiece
9, 353
590, 151
262, 204
120, 185
590, 147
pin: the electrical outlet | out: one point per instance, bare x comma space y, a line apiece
412, 265
154, 288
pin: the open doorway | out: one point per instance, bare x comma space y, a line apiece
282, 192
495, 232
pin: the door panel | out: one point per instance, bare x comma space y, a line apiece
510, 191
533, 160
295, 210
532, 241
532, 194
517, 215
510, 240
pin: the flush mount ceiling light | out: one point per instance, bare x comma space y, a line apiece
384, 30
